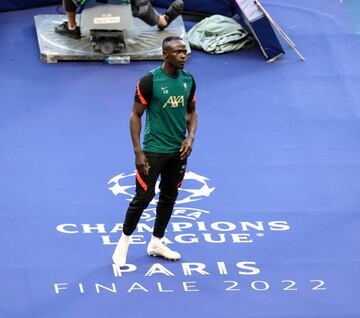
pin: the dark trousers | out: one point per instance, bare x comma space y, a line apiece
171, 171
141, 9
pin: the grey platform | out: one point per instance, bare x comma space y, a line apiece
143, 41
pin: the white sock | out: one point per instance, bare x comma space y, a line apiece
155, 240
72, 29
125, 238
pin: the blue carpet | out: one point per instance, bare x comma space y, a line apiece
276, 163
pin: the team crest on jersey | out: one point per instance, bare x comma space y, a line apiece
185, 86
175, 101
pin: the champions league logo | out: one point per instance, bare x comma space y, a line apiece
195, 187
187, 226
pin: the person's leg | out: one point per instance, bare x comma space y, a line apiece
144, 10
71, 17
69, 28
145, 192
172, 176
174, 10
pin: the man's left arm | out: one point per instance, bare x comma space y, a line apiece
191, 125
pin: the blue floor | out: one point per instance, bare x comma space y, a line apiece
268, 218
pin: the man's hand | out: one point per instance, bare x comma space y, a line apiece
186, 148
142, 163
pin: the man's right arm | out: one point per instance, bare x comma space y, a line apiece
141, 162
143, 95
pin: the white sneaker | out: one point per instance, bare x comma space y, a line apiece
162, 250
121, 250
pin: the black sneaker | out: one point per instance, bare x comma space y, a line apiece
64, 30
174, 10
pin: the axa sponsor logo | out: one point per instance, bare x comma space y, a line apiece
175, 101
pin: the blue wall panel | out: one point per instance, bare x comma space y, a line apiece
7, 5
203, 6
222, 7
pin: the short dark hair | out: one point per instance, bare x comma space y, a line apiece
170, 39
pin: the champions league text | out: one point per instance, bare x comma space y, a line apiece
187, 226
230, 276
242, 232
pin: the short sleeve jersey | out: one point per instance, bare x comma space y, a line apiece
166, 99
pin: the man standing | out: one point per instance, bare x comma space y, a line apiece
167, 94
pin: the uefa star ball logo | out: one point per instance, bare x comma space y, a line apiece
194, 188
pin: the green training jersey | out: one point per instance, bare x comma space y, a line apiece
166, 99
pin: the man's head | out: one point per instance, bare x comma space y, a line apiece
174, 51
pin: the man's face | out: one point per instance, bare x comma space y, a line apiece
175, 54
